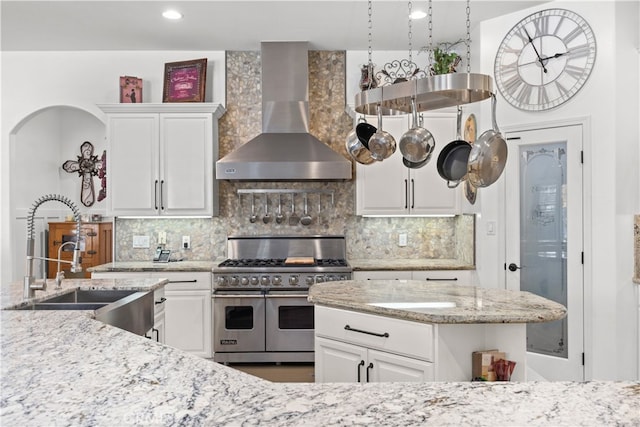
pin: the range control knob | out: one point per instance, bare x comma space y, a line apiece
309, 280
222, 280
254, 280
244, 281
293, 280
277, 280
331, 278
264, 280
320, 279
234, 281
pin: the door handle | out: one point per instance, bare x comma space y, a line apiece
359, 365
156, 194
161, 195
406, 194
413, 194
370, 366
513, 267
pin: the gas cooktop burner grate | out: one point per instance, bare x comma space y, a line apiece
280, 262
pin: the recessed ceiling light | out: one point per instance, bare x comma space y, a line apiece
418, 14
172, 14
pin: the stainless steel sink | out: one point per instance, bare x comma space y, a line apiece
65, 306
129, 310
90, 296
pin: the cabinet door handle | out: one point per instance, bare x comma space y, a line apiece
92, 252
443, 279
163, 299
161, 195
413, 193
406, 194
359, 365
369, 366
349, 328
155, 200
183, 281
157, 331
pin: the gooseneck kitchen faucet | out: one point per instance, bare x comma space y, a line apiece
30, 285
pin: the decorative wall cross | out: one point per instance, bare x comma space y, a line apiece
87, 167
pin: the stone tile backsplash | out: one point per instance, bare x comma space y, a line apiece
431, 237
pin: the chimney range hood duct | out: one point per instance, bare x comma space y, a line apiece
285, 150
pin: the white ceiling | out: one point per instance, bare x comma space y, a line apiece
233, 25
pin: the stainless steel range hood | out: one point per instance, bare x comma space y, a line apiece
285, 150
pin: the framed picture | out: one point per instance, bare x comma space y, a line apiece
130, 90
185, 81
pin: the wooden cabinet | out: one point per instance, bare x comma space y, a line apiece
385, 350
188, 315
96, 246
390, 188
161, 159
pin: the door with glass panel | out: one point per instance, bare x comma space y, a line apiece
544, 243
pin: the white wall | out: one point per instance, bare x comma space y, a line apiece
36, 81
611, 180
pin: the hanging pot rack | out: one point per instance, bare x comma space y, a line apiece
431, 92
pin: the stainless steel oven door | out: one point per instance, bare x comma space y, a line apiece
289, 322
238, 321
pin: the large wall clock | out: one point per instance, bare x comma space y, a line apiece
545, 59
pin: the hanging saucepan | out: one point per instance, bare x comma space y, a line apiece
354, 143
416, 144
488, 155
381, 144
452, 161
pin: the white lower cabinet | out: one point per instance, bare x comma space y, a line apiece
187, 319
460, 277
357, 347
337, 361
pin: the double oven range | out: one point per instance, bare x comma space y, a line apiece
260, 307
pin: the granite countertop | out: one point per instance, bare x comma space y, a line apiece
408, 264
469, 304
141, 266
66, 368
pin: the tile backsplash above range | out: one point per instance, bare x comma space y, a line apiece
430, 237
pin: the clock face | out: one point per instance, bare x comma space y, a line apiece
545, 59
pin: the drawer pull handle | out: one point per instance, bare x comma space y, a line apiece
360, 364
443, 279
183, 281
349, 328
162, 300
370, 366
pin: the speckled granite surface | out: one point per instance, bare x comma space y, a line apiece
64, 368
409, 264
472, 304
133, 266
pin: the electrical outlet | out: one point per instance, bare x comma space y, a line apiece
186, 242
162, 238
402, 239
140, 242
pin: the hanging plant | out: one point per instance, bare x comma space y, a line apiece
444, 58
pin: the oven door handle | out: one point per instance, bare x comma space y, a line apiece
237, 296
287, 296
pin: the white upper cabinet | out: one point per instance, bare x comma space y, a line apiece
390, 188
160, 159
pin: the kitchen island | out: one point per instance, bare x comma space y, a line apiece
410, 330
65, 368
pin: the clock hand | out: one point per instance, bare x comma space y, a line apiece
557, 55
540, 59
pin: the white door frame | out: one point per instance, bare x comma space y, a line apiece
587, 209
